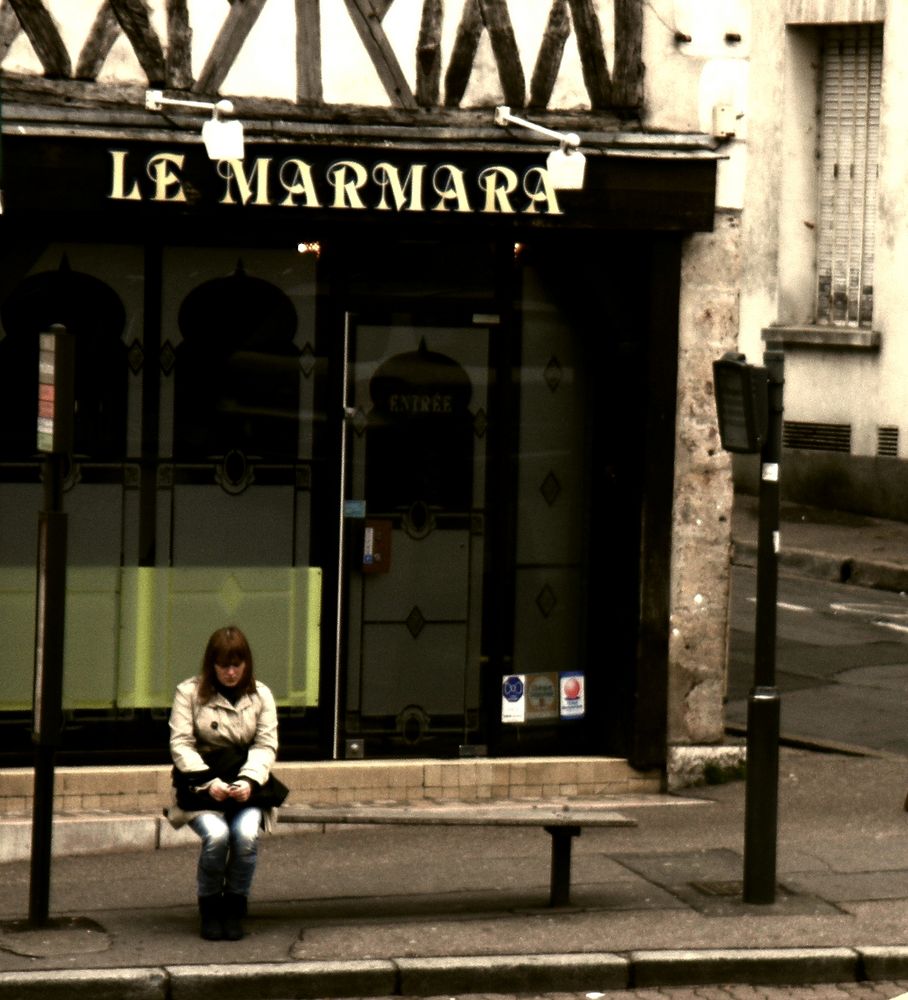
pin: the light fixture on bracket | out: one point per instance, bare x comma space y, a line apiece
566, 164
223, 139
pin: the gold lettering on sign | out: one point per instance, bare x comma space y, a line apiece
538, 187
449, 185
235, 170
296, 179
346, 184
118, 186
498, 183
159, 170
386, 175
346, 193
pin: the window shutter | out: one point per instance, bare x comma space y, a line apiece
849, 130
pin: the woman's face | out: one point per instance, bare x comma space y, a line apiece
231, 674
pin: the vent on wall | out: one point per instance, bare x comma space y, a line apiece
887, 442
816, 437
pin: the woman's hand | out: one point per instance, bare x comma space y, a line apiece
240, 790
219, 790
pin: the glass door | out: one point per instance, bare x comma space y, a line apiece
414, 508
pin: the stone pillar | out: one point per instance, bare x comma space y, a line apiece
708, 326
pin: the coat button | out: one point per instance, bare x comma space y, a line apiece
214, 725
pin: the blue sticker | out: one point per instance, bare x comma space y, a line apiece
512, 689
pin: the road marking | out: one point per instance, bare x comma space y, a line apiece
792, 607
870, 610
785, 606
895, 628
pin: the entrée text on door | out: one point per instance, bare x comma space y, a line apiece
343, 184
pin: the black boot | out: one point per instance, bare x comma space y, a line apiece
211, 912
233, 913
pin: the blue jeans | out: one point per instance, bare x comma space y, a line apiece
229, 850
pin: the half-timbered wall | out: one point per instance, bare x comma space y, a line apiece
565, 54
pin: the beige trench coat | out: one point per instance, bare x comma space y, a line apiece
196, 728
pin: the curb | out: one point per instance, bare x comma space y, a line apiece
831, 568
598, 971
93, 984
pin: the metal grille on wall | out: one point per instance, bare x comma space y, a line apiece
816, 437
849, 129
887, 442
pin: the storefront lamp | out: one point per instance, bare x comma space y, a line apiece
223, 139
742, 403
566, 164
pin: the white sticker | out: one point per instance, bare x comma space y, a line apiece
770, 472
572, 695
513, 698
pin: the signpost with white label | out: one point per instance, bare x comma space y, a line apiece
56, 392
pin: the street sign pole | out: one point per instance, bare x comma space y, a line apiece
763, 707
55, 434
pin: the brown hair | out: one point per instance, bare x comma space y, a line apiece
226, 646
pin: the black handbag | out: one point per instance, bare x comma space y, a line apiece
225, 764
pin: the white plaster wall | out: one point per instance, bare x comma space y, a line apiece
265, 66
891, 295
863, 389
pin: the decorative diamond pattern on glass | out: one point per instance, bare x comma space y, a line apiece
550, 488
167, 357
553, 373
307, 360
546, 601
135, 357
415, 622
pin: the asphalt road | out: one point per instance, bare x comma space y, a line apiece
841, 662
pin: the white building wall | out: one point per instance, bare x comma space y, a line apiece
863, 384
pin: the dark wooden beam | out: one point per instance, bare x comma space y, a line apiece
42, 33
551, 52
366, 16
627, 77
428, 54
136, 24
179, 46
504, 46
227, 45
308, 53
105, 30
114, 17
592, 52
493, 16
381, 7
466, 42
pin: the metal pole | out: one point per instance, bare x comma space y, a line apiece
48, 691
341, 517
763, 708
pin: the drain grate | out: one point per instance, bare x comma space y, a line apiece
734, 887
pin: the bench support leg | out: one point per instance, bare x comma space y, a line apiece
560, 889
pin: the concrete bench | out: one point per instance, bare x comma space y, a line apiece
561, 822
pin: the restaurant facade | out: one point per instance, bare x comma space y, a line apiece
437, 433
